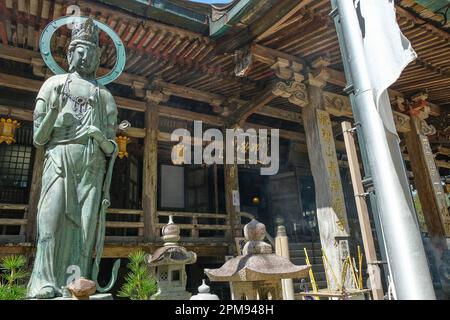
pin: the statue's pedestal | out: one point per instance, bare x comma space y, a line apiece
100, 296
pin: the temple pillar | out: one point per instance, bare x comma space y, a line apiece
232, 198
428, 182
330, 203
150, 167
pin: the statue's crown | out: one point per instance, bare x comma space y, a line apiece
86, 31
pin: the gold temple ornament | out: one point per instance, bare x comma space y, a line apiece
178, 154
7, 130
122, 142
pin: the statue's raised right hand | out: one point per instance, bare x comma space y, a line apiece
55, 98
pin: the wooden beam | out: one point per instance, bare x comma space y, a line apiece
189, 93
439, 163
28, 56
279, 24
335, 104
444, 151
241, 114
150, 171
248, 33
124, 224
122, 250
13, 206
181, 114
32, 57
363, 214
128, 79
176, 113
130, 104
278, 113
290, 135
20, 83
336, 77
269, 56
443, 164
32, 85
17, 113
13, 222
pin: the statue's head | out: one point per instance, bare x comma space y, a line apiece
83, 54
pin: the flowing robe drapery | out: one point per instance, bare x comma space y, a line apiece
72, 186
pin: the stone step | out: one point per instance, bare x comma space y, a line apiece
301, 245
301, 253
315, 267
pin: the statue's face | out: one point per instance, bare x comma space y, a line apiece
84, 59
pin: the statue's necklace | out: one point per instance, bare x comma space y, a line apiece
80, 103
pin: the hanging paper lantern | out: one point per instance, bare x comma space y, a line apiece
7, 130
122, 141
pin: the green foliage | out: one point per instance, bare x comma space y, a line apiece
13, 293
139, 283
13, 278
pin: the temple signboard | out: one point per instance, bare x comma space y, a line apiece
329, 150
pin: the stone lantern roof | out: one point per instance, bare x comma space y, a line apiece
257, 263
171, 253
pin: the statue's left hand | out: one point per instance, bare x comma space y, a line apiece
95, 133
104, 143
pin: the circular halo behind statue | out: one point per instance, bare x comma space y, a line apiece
45, 41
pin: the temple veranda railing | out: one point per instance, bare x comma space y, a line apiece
127, 225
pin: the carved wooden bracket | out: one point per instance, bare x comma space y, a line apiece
138, 88
419, 107
156, 95
243, 59
427, 129
288, 70
400, 104
319, 75
337, 105
402, 122
294, 91
219, 107
441, 124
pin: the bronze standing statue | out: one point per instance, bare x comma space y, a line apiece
74, 120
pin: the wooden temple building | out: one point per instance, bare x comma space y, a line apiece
249, 64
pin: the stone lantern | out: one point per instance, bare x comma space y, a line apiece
204, 293
168, 265
257, 274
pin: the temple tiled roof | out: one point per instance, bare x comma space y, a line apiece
437, 11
